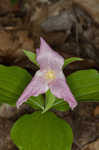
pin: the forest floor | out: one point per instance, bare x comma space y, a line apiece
71, 28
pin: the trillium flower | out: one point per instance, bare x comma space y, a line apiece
50, 76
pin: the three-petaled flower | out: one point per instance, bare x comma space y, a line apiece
50, 76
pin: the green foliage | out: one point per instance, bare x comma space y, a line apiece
50, 99
36, 102
71, 60
84, 85
13, 81
31, 56
42, 132
13, 2
54, 103
60, 105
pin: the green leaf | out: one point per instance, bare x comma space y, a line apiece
13, 2
71, 60
60, 105
84, 85
31, 56
13, 81
36, 102
50, 99
42, 132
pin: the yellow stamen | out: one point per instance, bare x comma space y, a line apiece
50, 75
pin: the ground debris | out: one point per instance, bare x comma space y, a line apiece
92, 7
5, 140
92, 146
64, 21
80, 32
96, 111
86, 126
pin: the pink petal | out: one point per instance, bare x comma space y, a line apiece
37, 86
60, 89
48, 58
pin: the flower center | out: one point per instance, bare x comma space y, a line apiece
50, 75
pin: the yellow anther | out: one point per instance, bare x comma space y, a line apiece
50, 75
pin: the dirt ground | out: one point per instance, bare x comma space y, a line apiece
71, 28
